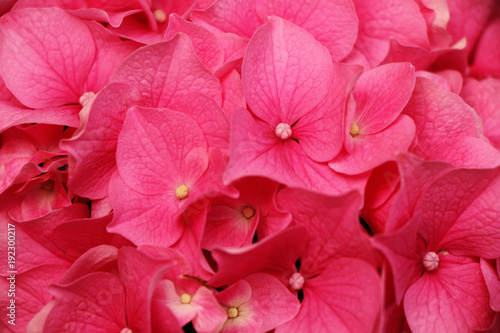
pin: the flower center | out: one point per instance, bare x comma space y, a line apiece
126, 330
86, 98
160, 16
232, 312
296, 281
182, 192
430, 261
185, 298
248, 212
283, 131
354, 130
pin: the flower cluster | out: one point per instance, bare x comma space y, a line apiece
250, 165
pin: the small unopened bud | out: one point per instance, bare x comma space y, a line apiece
430, 261
283, 131
296, 281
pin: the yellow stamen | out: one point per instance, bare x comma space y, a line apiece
182, 192
248, 212
232, 312
160, 16
354, 130
185, 298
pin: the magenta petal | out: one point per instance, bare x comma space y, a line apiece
344, 298
470, 226
236, 16
31, 294
99, 258
94, 150
140, 274
321, 132
400, 249
209, 116
165, 71
110, 52
487, 51
205, 43
153, 215
376, 108
13, 156
286, 72
431, 304
371, 150
274, 303
157, 149
275, 255
492, 280
443, 117
483, 96
42, 64
12, 114
331, 224
94, 303
256, 151
380, 20
333, 23
415, 175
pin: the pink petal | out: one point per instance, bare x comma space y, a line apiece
13, 156
257, 151
274, 303
209, 116
239, 296
95, 149
189, 244
140, 274
166, 293
165, 71
95, 303
156, 149
333, 23
449, 58
238, 17
76, 237
275, 255
31, 294
371, 150
99, 258
400, 249
12, 114
487, 51
320, 132
381, 184
134, 211
416, 174
344, 298
483, 96
42, 64
468, 227
286, 73
332, 225
380, 20
452, 298
205, 43
232, 93
467, 19
376, 108
110, 52
232, 222
492, 282
441, 116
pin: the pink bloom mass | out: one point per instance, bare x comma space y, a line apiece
249, 166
